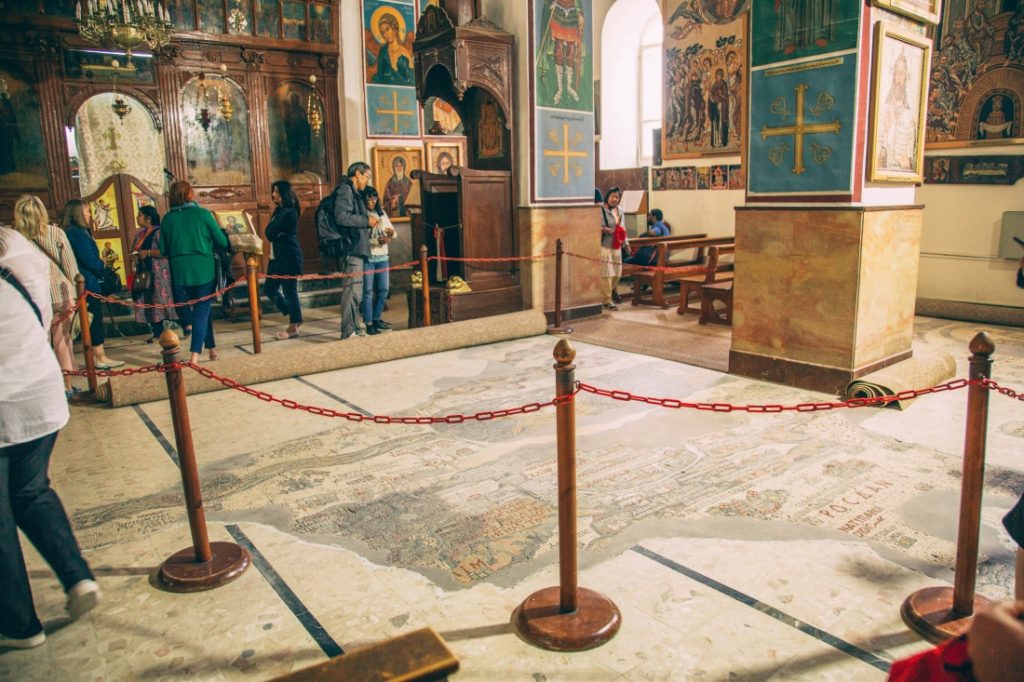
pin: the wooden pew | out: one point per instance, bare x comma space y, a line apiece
713, 271
636, 243
419, 656
671, 254
716, 291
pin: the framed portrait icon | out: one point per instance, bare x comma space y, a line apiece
391, 168
899, 99
445, 152
922, 10
241, 234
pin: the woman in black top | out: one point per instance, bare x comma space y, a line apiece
286, 256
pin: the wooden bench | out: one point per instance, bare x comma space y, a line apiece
715, 270
671, 254
716, 291
637, 243
419, 656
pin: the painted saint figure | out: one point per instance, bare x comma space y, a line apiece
489, 140
565, 45
898, 124
997, 122
297, 132
802, 23
718, 110
397, 189
394, 61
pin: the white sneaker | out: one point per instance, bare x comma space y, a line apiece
27, 643
82, 598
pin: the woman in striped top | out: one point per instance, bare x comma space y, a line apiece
31, 220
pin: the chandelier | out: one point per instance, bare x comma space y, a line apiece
126, 24
313, 115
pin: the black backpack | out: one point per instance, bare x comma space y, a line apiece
335, 241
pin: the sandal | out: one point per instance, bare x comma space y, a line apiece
284, 336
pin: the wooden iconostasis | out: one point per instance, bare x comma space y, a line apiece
229, 105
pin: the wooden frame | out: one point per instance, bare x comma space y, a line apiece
923, 10
454, 147
393, 191
238, 225
895, 113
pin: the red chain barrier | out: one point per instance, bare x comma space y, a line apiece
379, 419
646, 268
136, 304
161, 368
340, 275
1008, 392
540, 256
674, 404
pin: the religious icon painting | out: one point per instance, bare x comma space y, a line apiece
445, 152
687, 177
389, 27
240, 17
441, 118
183, 15
657, 179
806, 120
296, 150
703, 88
211, 15
320, 23
784, 30
896, 146
977, 90
562, 98
268, 18
391, 168
216, 150
392, 111
562, 48
736, 178
112, 254
241, 234
293, 19
719, 177
22, 152
922, 10
703, 177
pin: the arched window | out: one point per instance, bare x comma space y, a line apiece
631, 77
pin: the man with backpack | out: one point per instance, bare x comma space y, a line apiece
343, 227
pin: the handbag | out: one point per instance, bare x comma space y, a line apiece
142, 283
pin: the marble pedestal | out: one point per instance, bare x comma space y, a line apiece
823, 295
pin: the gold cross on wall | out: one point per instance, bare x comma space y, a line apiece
112, 135
394, 111
565, 154
799, 129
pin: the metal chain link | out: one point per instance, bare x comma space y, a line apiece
486, 415
1008, 392
102, 373
136, 304
675, 404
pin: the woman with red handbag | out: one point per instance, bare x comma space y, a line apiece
613, 242
152, 281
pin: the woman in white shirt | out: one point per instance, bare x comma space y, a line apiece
32, 411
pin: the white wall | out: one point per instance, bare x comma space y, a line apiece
960, 240
619, 36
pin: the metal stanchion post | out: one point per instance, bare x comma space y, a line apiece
251, 265
557, 328
1018, 591
205, 565
83, 311
426, 285
938, 613
566, 617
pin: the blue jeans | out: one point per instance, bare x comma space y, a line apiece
202, 313
285, 295
185, 311
28, 502
375, 291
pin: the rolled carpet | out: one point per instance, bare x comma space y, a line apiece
300, 359
921, 371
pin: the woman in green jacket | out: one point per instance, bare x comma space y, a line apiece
187, 236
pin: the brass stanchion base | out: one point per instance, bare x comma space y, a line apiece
562, 329
539, 620
929, 613
182, 573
